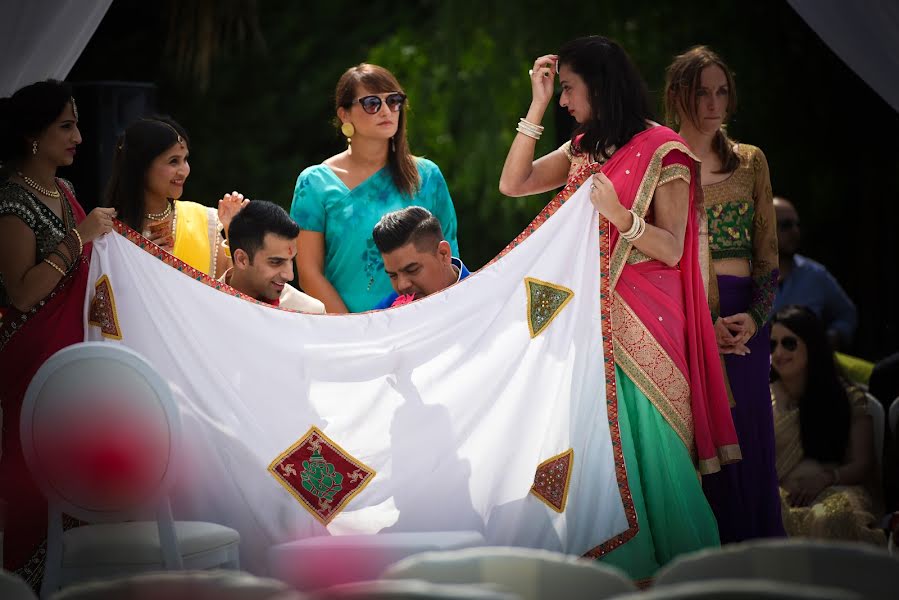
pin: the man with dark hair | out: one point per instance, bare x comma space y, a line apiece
263, 243
417, 259
809, 283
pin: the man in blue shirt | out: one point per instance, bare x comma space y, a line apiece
808, 283
417, 259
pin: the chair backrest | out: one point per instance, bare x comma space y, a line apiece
860, 568
100, 432
878, 422
412, 589
894, 418
532, 574
14, 588
741, 589
182, 585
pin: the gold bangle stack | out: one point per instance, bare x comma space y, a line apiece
529, 129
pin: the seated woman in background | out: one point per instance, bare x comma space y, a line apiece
147, 180
823, 436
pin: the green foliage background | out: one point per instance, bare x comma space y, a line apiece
267, 112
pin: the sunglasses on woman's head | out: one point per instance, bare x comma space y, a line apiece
372, 104
788, 342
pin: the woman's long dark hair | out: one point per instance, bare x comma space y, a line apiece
379, 80
618, 96
824, 410
136, 149
27, 113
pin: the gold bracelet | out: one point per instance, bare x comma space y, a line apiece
80, 243
55, 266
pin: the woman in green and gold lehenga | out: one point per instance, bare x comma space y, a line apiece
823, 436
673, 413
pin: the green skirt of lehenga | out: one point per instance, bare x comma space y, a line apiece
672, 513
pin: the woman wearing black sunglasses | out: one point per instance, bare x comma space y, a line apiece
823, 436
338, 203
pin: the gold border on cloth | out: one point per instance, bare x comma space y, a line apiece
569, 294
116, 333
652, 370
567, 454
641, 203
305, 439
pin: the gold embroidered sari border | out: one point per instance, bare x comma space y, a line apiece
642, 201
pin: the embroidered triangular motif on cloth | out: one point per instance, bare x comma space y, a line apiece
552, 479
102, 312
545, 302
321, 475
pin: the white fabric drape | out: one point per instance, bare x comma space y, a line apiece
448, 399
865, 35
40, 39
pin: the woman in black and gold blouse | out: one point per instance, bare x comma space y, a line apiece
45, 245
742, 240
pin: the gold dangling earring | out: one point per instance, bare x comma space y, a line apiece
34, 148
348, 130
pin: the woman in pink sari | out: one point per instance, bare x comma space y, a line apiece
45, 244
673, 411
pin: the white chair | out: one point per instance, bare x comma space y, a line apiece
309, 563
403, 589
14, 588
532, 574
741, 589
894, 419
100, 434
182, 585
860, 568
878, 423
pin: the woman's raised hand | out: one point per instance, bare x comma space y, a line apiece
230, 205
543, 78
97, 222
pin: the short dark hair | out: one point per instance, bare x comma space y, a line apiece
412, 224
28, 112
136, 149
618, 95
257, 218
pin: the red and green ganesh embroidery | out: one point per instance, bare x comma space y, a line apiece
321, 475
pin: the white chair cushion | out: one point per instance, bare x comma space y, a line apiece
14, 588
137, 543
532, 574
404, 589
310, 563
741, 589
857, 567
182, 585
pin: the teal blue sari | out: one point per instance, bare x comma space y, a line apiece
353, 265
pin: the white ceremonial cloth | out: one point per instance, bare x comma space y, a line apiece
448, 399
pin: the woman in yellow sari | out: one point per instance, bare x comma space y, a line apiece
148, 175
823, 436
